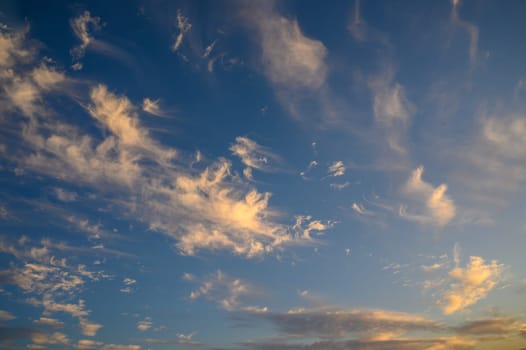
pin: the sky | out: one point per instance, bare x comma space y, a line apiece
263, 175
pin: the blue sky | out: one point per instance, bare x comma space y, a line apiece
251, 175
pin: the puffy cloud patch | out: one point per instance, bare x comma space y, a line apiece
49, 322
6, 316
470, 284
439, 207
336, 169
290, 58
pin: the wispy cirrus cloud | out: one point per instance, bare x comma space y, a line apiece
85, 26
290, 58
183, 26
227, 292
215, 210
254, 155
153, 107
471, 29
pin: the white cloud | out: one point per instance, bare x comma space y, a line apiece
83, 26
471, 29
6, 316
120, 347
227, 292
254, 155
360, 209
129, 281
439, 207
49, 322
88, 328
117, 114
290, 58
433, 267
506, 135
145, 324
470, 284
357, 25
209, 49
392, 109
336, 169
390, 104
305, 225
13, 49
65, 196
153, 107
183, 25
53, 338
50, 281
88, 344
340, 186
210, 208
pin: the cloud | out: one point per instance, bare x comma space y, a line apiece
431, 268
254, 155
451, 343
357, 25
487, 326
439, 207
13, 49
88, 328
153, 107
470, 284
49, 322
6, 316
311, 166
360, 209
305, 225
336, 169
120, 347
391, 107
227, 292
88, 344
390, 104
182, 339
183, 25
117, 114
209, 49
506, 135
83, 26
290, 58
49, 280
330, 323
53, 338
145, 324
65, 196
205, 208
340, 186
129, 281
471, 29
